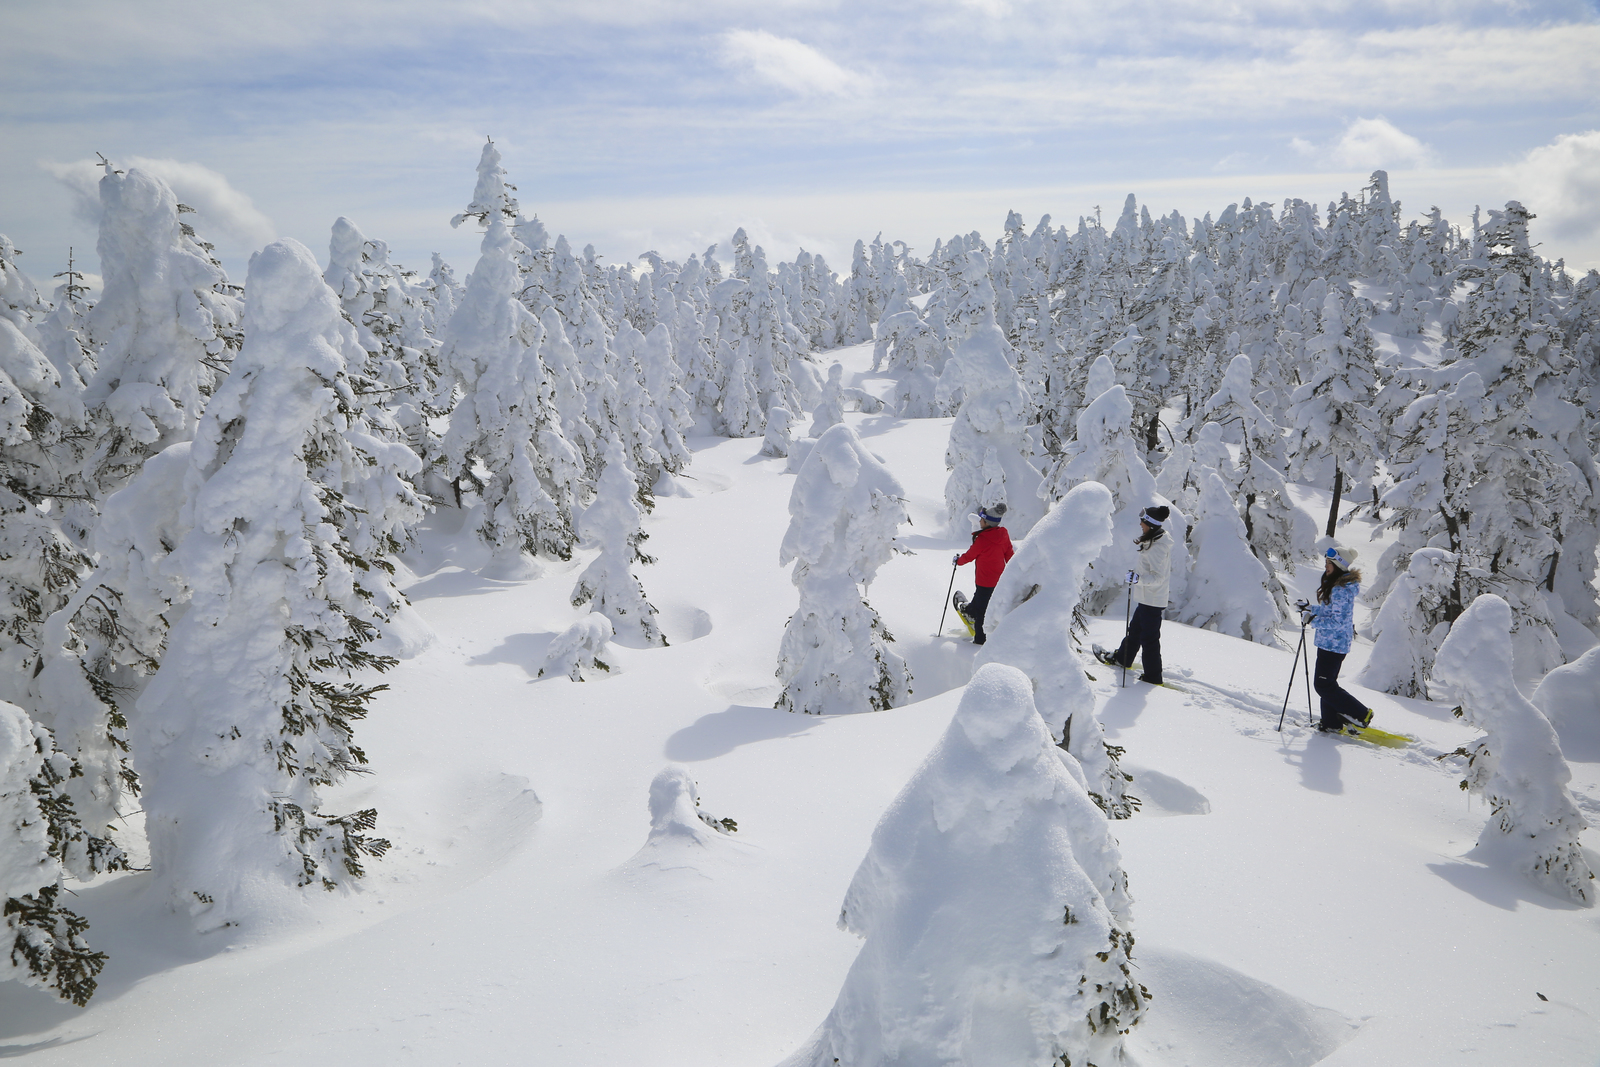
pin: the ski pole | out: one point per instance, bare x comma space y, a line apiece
1309, 720
1127, 628
1294, 668
946, 601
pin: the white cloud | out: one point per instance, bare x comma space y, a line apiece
1368, 144
223, 214
1560, 182
789, 64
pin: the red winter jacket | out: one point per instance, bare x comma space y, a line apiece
991, 547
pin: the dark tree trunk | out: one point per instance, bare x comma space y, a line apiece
1338, 491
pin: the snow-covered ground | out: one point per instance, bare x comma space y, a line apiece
1298, 899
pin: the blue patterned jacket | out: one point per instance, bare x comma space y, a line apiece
1335, 620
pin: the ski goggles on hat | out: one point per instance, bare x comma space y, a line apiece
1149, 520
1339, 561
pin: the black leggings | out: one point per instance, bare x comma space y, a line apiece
1144, 632
1338, 706
977, 607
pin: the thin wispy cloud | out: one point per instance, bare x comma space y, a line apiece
789, 64
223, 214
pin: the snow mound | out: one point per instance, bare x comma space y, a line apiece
454, 836
1206, 1013
1163, 794
680, 832
1569, 696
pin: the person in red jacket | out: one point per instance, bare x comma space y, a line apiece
991, 550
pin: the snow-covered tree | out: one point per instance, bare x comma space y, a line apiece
164, 328
290, 506
844, 510
1228, 587
399, 380
778, 437
1517, 767
1104, 451
994, 908
830, 409
678, 824
611, 523
506, 423
1270, 519
1332, 440
741, 405
576, 651
1411, 624
1031, 623
990, 451
38, 825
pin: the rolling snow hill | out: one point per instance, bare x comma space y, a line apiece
1298, 899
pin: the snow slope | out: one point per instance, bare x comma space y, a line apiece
1298, 899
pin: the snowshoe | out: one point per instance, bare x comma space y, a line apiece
959, 602
1105, 656
1382, 738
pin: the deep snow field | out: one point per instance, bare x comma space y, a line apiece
1298, 899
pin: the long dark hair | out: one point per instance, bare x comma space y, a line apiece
1337, 578
1145, 540
1153, 517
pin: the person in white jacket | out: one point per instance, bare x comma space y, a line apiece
1150, 579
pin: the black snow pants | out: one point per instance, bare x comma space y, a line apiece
1144, 633
1338, 706
976, 608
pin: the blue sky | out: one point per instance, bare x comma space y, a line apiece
660, 124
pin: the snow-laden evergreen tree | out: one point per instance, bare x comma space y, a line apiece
399, 380
680, 829
576, 652
1030, 622
990, 454
844, 511
673, 407
291, 505
441, 294
741, 405
778, 437
44, 938
1270, 519
1517, 767
612, 524
1534, 510
1433, 465
1411, 624
42, 426
1104, 451
506, 422
164, 328
1228, 589
830, 409
1332, 439
994, 908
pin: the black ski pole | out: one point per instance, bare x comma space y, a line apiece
946, 601
1127, 629
1309, 719
1294, 668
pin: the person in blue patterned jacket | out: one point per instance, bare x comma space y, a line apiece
1334, 614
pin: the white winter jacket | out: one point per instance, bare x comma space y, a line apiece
1154, 567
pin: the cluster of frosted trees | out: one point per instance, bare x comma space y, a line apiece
1205, 362
278, 440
